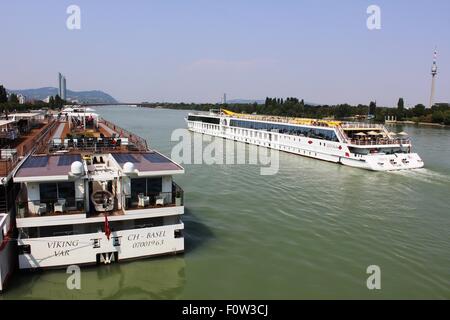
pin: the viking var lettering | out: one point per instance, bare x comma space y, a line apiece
62, 244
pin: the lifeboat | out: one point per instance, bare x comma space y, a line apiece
103, 200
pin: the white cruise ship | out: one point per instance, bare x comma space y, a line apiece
362, 145
84, 191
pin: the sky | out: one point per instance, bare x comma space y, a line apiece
195, 50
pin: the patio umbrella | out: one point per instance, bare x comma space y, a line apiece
360, 134
403, 133
372, 133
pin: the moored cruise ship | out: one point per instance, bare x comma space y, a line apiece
20, 135
85, 191
362, 145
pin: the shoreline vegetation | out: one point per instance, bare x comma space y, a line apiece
438, 115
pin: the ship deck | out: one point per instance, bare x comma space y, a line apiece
64, 131
14, 150
29, 214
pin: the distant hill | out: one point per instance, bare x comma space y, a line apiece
94, 96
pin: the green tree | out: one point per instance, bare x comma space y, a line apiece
3, 95
418, 110
401, 104
51, 102
437, 117
447, 117
59, 103
13, 98
400, 109
372, 107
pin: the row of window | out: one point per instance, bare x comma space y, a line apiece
204, 119
325, 134
241, 135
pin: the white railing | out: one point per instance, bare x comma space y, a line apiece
379, 142
362, 125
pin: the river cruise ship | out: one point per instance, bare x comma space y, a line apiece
20, 133
78, 190
356, 144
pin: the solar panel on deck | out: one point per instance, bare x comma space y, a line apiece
156, 158
35, 162
68, 159
122, 158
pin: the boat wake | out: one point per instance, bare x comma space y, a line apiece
424, 175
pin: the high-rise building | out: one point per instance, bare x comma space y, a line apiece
64, 95
62, 86
59, 83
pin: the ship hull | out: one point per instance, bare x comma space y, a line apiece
133, 244
330, 151
7, 251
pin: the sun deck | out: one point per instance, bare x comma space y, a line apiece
80, 166
13, 150
44, 166
101, 136
146, 161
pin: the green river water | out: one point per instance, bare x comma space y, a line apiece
309, 231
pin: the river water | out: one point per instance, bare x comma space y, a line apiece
310, 231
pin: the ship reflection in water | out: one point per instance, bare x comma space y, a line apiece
162, 278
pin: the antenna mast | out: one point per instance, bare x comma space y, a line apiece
433, 77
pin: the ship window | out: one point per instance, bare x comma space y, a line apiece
51, 192
96, 243
116, 241
204, 119
148, 186
66, 190
48, 191
178, 234
24, 249
317, 133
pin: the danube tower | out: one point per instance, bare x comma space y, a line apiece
433, 79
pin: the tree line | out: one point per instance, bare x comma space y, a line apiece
11, 103
289, 107
293, 107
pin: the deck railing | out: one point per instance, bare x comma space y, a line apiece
9, 158
155, 199
8, 163
361, 125
89, 144
139, 142
379, 142
49, 207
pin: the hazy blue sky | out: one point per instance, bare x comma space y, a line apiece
194, 51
